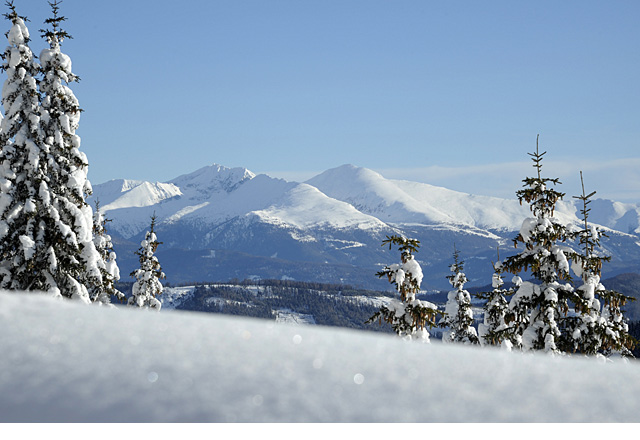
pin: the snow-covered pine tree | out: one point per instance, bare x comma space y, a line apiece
41, 235
458, 318
536, 308
598, 326
408, 316
492, 330
147, 286
20, 134
110, 271
68, 166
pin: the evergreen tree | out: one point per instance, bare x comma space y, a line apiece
536, 308
493, 328
20, 134
458, 319
147, 286
67, 172
42, 234
408, 316
598, 326
109, 269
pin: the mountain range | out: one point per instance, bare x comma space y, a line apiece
220, 223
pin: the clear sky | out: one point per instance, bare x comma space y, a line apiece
450, 93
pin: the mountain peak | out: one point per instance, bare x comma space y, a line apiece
348, 173
213, 178
370, 193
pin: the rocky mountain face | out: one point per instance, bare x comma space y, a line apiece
218, 223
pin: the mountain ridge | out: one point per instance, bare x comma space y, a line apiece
338, 217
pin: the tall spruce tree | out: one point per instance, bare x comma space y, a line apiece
458, 319
45, 229
147, 286
408, 316
109, 269
67, 171
598, 326
22, 177
536, 308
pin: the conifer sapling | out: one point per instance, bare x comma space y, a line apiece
147, 286
408, 316
493, 328
110, 270
598, 326
458, 318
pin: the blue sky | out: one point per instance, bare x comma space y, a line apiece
449, 93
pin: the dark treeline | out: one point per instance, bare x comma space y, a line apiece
327, 307
327, 287
328, 303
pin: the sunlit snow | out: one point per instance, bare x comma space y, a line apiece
67, 362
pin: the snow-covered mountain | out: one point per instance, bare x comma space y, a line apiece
401, 201
219, 223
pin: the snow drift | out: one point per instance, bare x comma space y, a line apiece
66, 362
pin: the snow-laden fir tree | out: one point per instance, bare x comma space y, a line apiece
110, 271
67, 171
408, 316
20, 172
598, 326
458, 318
493, 328
45, 236
536, 308
147, 286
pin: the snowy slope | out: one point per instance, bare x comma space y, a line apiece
142, 194
305, 206
113, 189
401, 201
619, 216
369, 192
67, 362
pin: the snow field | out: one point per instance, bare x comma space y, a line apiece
60, 364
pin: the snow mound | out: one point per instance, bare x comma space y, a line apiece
66, 362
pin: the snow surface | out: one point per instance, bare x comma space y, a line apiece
67, 362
